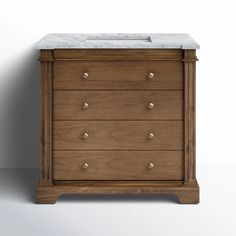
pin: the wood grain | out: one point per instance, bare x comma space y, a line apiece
118, 75
132, 105
127, 183
46, 117
117, 149
119, 165
189, 116
118, 54
118, 135
185, 193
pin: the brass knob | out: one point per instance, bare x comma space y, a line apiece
85, 136
85, 166
85, 105
150, 105
150, 166
85, 75
151, 75
150, 136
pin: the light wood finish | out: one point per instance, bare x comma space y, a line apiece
189, 116
118, 75
116, 144
119, 165
127, 183
117, 54
131, 105
46, 118
187, 194
113, 135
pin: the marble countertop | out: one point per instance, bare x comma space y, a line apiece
174, 41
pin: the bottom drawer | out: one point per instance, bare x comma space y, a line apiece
118, 165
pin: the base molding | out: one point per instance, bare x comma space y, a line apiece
187, 193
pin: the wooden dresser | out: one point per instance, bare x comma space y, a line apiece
118, 115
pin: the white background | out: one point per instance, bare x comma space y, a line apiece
211, 24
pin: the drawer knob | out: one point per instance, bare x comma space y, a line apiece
85, 105
85, 136
150, 105
85, 166
150, 136
151, 75
85, 75
150, 166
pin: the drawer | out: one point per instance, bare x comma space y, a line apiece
112, 135
75, 105
118, 165
117, 75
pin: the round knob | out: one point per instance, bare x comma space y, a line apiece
85, 75
150, 135
150, 166
85, 105
151, 75
85, 136
85, 166
150, 105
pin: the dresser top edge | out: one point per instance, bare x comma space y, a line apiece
117, 54
117, 41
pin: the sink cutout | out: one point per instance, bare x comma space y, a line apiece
118, 39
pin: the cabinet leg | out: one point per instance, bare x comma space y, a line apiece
188, 196
46, 194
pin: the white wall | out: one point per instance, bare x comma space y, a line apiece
210, 23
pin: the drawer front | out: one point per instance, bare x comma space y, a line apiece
117, 75
118, 165
75, 105
112, 135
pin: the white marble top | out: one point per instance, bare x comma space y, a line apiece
53, 41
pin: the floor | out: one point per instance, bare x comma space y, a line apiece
118, 215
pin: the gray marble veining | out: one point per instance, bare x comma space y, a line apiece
178, 41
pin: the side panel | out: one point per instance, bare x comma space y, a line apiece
189, 115
46, 116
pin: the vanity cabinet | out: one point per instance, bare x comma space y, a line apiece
117, 115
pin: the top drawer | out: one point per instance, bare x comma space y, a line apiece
118, 75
